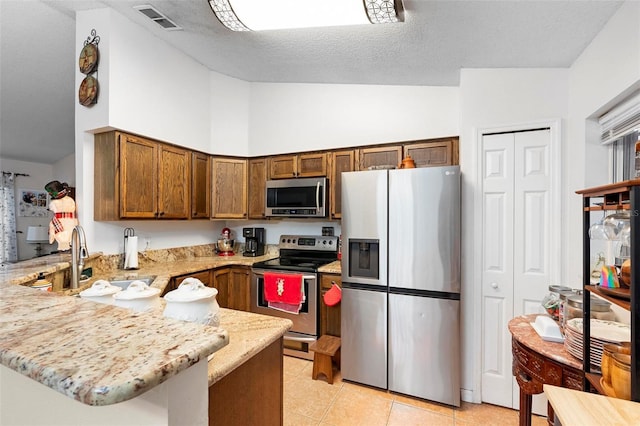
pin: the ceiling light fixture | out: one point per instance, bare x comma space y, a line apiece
258, 15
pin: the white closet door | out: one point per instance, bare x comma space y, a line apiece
516, 250
497, 267
532, 213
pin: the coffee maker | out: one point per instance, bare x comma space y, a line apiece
254, 242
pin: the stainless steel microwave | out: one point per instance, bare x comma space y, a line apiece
306, 197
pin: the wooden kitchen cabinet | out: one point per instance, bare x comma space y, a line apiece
341, 161
299, 165
200, 185
329, 315
174, 183
257, 188
204, 276
430, 154
379, 156
229, 188
138, 178
233, 284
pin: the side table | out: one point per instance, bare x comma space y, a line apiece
537, 362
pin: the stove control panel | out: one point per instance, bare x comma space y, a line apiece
309, 242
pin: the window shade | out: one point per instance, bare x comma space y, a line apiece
621, 120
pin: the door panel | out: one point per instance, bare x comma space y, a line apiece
364, 337
424, 206
516, 250
497, 273
424, 347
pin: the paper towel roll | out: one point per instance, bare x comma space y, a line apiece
131, 253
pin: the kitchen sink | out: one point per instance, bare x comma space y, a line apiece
125, 283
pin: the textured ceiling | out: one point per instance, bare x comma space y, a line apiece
437, 39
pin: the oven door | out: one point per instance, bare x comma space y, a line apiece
305, 322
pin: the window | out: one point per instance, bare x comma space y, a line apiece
624, 156
620, 128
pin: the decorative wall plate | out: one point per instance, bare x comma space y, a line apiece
88, 92
88, 60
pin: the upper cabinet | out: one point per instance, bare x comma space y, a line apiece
200, 185
137, 178
174, 182
379, 156
257, 187
229, 188
300, 165
430, 154
341, 161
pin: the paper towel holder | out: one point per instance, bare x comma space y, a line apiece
128, 232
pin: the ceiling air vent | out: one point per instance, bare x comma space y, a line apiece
156, 16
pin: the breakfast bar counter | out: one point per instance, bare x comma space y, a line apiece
101, 355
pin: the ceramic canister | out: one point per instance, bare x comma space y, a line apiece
193, 301
138, 296
101, 291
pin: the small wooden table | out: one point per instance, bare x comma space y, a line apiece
582, 408
537, 362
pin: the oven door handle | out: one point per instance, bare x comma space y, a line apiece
299, 339
305, 277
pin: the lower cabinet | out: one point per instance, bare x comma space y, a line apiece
253, 393
233, 284
204, 276
329, 315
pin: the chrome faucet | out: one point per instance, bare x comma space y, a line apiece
79, 253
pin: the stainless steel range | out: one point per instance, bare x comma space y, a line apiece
299, 254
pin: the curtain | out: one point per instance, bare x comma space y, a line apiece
9, 252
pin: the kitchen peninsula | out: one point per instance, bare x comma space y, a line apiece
95, 355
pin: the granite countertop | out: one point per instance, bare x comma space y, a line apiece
331, 268
521, 330
249, 334
71, 329
95, 353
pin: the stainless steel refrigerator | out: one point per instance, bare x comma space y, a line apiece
401, 281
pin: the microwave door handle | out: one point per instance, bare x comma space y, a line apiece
318, 196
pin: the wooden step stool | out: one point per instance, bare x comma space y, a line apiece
327, 350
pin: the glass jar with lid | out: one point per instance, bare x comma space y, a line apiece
600, 309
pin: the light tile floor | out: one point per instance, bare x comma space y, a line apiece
315, 402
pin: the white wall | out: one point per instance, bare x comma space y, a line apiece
298, 117
492, 98
65, 170
229, 115
149, 88
606, 72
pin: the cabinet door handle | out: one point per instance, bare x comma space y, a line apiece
494, 286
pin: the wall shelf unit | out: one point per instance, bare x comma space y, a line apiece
618, 196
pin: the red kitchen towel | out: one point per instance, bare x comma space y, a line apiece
283, 288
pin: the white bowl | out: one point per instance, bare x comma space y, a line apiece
101, 291
138, 296
193, 301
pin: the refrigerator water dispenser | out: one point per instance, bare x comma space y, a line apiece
364, 258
